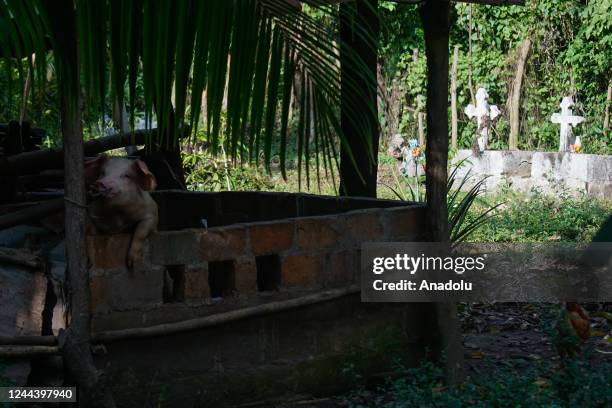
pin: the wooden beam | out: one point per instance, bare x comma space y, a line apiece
358, 105
435, 15
22, 257
31, 214
34, 161
20, 352
165, 329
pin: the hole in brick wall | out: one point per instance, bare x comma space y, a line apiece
174, 284
268, 272
221, 278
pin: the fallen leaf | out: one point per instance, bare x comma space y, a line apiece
475, 354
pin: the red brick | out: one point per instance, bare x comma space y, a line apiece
401, 223
220, 244
108, 251
133, 289
101, 289
318, 232
271, 238
301, 270
343, 267
245, 276
196, 283
175, 247
364, 226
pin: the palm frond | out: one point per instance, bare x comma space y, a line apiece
242, 55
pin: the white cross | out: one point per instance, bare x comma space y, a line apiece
567, 121
484, 114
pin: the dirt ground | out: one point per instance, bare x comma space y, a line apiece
495, 335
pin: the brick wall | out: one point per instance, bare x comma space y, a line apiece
197, 272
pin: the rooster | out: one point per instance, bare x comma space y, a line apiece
573, 330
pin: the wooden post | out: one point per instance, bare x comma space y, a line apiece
606, 122
75, 342
359, 31
454, 98
26, 94
514, 97
470, 70
421, 118
435, 17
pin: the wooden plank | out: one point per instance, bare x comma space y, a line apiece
31, 214
22, 257
27, 351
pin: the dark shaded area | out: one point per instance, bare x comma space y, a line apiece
182, 209
174, 284
268, 272
221, 278
359, 32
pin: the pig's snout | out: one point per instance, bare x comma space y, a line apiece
103, 187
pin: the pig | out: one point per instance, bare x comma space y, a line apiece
120, 188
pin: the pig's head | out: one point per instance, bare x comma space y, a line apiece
118, 179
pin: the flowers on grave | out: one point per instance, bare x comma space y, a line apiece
577, 146
413, 159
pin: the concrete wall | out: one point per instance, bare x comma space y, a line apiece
259, 248
551, 173
318, 348
22, 301
249, 263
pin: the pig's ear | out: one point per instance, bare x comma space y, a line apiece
93, 166
146, 179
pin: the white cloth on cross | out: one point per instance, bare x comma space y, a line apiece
484, 114
567, 120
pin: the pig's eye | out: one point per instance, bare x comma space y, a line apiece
127, 176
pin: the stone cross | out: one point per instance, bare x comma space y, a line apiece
567, 120
484, 114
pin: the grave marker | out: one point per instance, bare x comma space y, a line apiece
567, 120
484, 114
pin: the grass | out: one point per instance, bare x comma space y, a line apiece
538, 218
575, 384
531, 217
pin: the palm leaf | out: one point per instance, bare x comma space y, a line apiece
188, 44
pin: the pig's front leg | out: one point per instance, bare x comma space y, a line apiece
143, 229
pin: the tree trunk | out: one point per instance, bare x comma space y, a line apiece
121, 119
27, 87
606, 122
359, 31
436, 24
163, 157
75, 341
514, 99
470, 70
389, 100
454, 98
421, 116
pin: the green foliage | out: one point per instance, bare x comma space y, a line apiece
536, 218
168, 59
577, 383
205, 172
464, 218
570, 55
